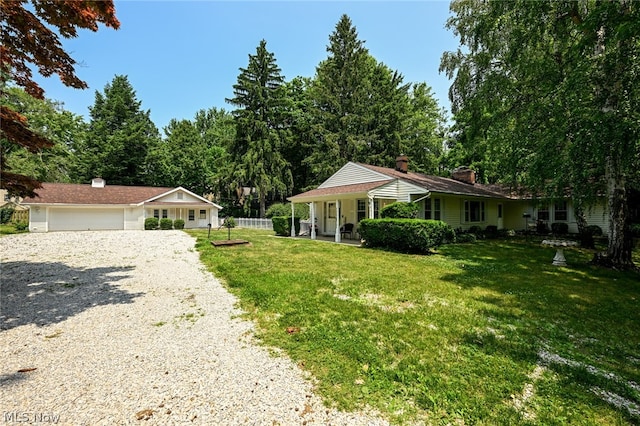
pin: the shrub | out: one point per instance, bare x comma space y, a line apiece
282, 225
178, 224
151, 223
400, 210
542, 228
5, 214
560, 228
229, 222
594, 230
166, 223
300, 210
466, 238
491, 231
635, 230
475, 229
405, 235
21, 226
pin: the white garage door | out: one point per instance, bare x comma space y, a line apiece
85, 219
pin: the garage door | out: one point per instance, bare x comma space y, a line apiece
85, 219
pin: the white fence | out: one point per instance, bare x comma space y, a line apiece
255, 223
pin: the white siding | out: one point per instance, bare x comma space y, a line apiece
397, 190
174, 198
133, 218
351, 174
38, 219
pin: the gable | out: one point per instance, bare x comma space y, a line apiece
351, 174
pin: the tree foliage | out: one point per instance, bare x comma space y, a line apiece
256, 153
119, 138
552, 89
28, 38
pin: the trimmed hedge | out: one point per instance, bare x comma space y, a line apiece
282, 225
178, 224
151, 223
400, 210
406, 235
166, 223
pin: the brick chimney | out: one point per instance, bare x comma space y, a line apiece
402, 163
464, 174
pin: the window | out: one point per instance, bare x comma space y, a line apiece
192, 215
499, 211
180, 195
203, 214
156, 213
427, 208
474, 211
362, 209
376, 208
543, 213
165, 213
436, 209
560, 211
331, 210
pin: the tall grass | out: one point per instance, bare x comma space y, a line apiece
485, 333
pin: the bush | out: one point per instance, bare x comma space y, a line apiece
466, 238
282, 225
542, 228
178, 224
560, 228
405, 235
475, 229
594, 230
229, 222
635, 230
400, 210
21, 226
5, 214
166, 223
300, 210
151, 223
491, 231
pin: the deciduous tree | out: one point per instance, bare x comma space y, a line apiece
28, 39
560, 80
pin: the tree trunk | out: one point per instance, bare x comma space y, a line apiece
263, 205
618, 254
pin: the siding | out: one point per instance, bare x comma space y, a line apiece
352, 173
398, 190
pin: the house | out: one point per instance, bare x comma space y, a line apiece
98, 206
358, 191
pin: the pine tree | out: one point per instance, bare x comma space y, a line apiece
119, 137
256, 152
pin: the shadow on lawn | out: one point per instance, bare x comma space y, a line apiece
581, 312
43, 293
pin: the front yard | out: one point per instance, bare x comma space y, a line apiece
485, 333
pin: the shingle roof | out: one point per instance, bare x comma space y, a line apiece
68, 193
441, 184
344, 189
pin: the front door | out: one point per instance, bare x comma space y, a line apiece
203, 218
329, 218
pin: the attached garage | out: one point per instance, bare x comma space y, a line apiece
85, 219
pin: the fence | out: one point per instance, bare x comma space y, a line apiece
255, 223
20, 216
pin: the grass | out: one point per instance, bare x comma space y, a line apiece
9, 228
485, 333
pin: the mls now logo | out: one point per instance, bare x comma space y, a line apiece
30, 417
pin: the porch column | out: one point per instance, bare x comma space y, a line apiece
338, 237
293, 227
313, 220
371, 208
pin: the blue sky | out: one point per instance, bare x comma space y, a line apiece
183, 56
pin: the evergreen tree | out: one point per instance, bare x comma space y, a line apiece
119, 138
256, 152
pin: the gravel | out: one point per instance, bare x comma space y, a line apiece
127, 327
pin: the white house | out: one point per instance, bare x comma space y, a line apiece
359, 191
98, 206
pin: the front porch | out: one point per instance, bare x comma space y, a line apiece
194, 216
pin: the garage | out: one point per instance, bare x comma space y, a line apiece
76, 219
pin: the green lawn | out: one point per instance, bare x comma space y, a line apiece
7, 229
485, 333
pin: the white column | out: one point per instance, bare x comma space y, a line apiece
371, 209
293, 228
313, 220
338, 237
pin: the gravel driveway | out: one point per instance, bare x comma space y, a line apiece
126, 327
